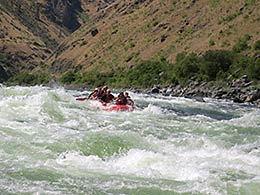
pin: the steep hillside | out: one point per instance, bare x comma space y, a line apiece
106, 36
19, 47
30, 31
50, 20
126, 32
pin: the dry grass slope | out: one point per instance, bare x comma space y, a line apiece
130, 31
120, 34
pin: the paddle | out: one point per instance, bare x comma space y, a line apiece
81, 99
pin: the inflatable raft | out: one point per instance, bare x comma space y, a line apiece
117, 108
109, 107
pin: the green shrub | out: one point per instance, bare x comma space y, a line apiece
83, 43
29, 78
147, 73
186, 66
213, 65
3, 58
5, 73
241, 44
257, 45
249, 2
4, 68
214, 3
215, 61
68, 77
253, 70
96, 78
212, 43
246, 65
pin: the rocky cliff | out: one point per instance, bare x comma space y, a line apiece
63, 12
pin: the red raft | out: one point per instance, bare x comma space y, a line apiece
109, 107
117, 108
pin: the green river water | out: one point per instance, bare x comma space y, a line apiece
52, 144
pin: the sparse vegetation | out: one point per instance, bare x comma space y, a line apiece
84, 17
132, 56
213, 65
257, 45
28, 78
212, 42
128, 45
4, 73
249, 2
241, 44
3, 59
68, 77
230, 17
214, 3
83, 43
146, 74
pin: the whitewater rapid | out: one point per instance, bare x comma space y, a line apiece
52, 144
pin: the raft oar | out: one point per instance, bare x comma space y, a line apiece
81, 99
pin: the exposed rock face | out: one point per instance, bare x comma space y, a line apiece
64, 12
52, 20
31, 30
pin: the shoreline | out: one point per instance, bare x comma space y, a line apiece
239, 91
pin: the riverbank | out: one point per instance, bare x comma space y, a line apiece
241, 90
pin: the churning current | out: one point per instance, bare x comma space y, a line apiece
52, 144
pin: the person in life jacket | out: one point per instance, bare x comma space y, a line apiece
100, 93
107, 97
121, 99
93, 95
130, 102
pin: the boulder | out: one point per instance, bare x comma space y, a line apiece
255, 96
238, 100
155, 90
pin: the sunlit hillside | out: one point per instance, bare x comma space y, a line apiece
64, 36
127, 32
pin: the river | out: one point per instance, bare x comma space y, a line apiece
52, 144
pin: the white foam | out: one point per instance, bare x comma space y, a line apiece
151, 109
249, 119
136, 162
183, 148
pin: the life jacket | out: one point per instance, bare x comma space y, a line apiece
121, 100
